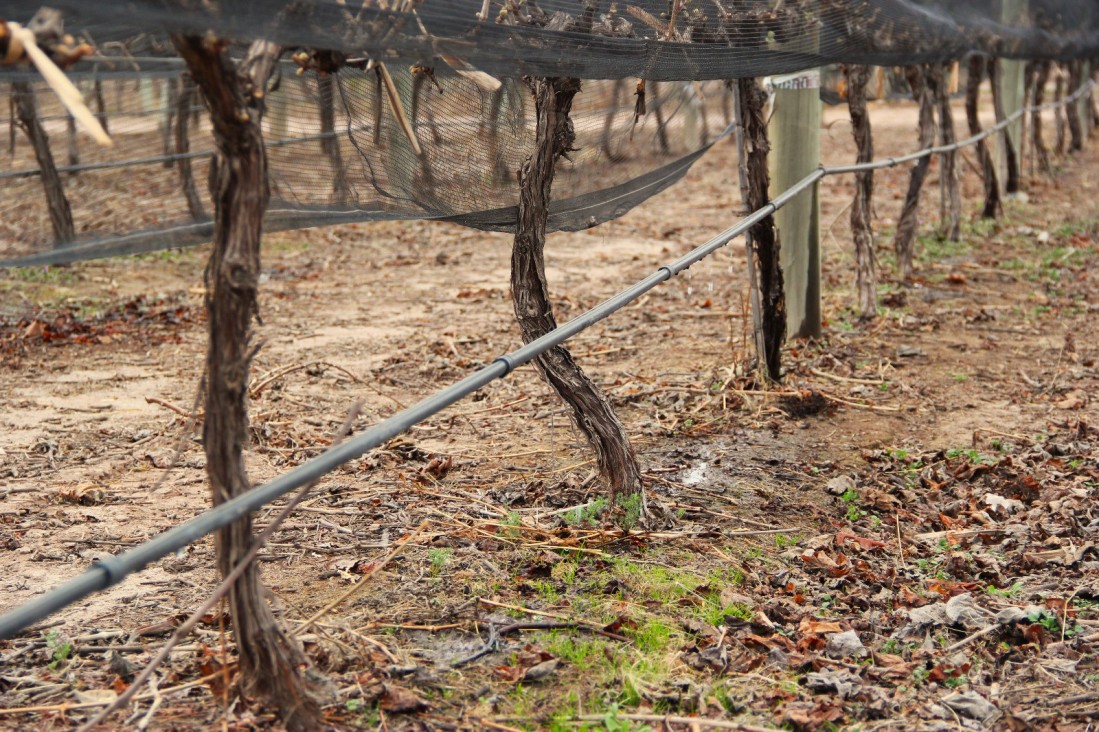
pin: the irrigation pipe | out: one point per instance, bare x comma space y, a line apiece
111, 571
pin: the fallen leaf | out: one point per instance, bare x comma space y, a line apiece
399, 700
1075, 399
862, 542
95, 696
845, 645
973, 705
820, 627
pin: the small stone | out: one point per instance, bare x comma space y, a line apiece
540, 670
908, 351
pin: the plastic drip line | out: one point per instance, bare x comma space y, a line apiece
112, 570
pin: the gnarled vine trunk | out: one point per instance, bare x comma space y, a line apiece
26, 113
1072, 111
993, 206
184, 101
764, 246
591, 411
271, 663
1041, 152
866, 270
950, 200
330, 144
905, 240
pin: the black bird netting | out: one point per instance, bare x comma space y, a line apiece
418, 109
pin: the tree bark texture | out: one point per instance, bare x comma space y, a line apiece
866, 277
271, 663
1041, 152
950, 197
656, 103
591, 411
993, 205
1011, 185
330, 144
905, 240
100, 105
1030, 69
170, 99
763, 239
607, 141
26, 112
1072, 111
184, 101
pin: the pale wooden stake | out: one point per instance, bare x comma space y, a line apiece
794, 129
1012, 96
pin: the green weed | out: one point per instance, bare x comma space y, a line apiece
1012, 591
439, 558
60, 650
587, 514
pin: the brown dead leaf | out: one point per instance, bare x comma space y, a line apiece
509, 674
437, 469
862, 542
835, 567
1075, 399
908, 598
399, 700
215, 674
1036, 634
803, 715
946, 588
812, 625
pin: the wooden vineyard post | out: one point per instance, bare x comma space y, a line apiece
591, 411
271, 663
26, 113
794, 131
1009, 94
764, 245
866, 269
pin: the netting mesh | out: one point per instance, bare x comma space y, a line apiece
338, 152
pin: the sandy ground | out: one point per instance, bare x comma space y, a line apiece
101, 362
